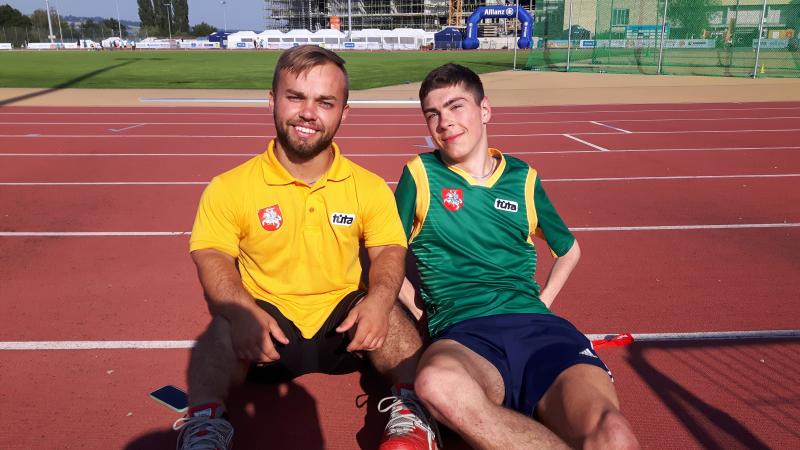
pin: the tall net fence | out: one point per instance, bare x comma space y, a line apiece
740, 38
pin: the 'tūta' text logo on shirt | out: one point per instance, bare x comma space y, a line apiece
506, 205
453, 199
271, 217
342, 219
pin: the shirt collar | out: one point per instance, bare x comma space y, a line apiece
276, 174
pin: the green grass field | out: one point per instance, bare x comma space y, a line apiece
220, 69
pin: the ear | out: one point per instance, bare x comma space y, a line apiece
486, 111
271, 103
345, 110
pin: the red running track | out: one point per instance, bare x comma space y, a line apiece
605, 167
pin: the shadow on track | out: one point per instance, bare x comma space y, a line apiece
691, 377
64, 85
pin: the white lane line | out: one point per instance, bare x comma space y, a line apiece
428, 143
705, 335
547, 180
586, 229
405, 154
356, 112
733, 226
340, 138
609, 126
265, 101
116, 130
184, 344
602, 149
420, 123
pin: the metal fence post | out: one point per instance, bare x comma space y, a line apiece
760, 37
515, 46
569, 36
663, 32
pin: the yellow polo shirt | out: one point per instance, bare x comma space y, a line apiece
297, 245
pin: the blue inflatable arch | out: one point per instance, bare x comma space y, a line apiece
491, 12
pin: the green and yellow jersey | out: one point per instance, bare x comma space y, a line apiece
473, 243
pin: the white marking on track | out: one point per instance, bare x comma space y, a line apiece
116, 130
602, 149
185, 344
735, 226
609, 126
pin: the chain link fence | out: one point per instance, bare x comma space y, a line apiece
739, 38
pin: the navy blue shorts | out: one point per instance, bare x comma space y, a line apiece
529, 351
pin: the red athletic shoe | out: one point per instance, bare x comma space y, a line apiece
409, 426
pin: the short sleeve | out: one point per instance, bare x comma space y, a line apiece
381, 223
216, 224
406, 197
553, 229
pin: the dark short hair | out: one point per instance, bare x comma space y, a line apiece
452, 75
303, 58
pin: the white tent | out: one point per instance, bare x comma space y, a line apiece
242, 40
329, 38
270, 39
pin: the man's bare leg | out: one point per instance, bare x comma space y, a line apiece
582, 407
465, 392
213, 366
397, 358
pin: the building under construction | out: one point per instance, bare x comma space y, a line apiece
429, 15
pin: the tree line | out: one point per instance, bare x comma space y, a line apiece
19, 29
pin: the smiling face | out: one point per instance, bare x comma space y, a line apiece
308, 108
456, 122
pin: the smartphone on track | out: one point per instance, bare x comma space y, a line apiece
171, 397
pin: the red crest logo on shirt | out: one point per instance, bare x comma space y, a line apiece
271, 217
453, 199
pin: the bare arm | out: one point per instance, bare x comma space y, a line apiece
371, 315
559, 274
251, 326
408, 297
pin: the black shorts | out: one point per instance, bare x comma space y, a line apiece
529, 351
326, 352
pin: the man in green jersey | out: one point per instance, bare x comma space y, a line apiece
499, 358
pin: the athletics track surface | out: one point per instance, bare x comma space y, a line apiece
688, 218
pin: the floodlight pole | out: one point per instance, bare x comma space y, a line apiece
60, 33
119, 24
350, 21
224, 16
760, 37
663, 32
515, 47
52, 37
569, 35
169, 21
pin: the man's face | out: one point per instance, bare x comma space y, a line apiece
308, 108
456, 123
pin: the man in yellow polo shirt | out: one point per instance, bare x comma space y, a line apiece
276, 242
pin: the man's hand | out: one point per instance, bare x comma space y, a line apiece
252, 331
371, 321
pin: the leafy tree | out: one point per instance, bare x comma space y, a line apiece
147, 13
689, 18
180, 19
10, 17
113, 25
203, 29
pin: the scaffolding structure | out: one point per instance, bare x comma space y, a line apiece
429, 15
313, 15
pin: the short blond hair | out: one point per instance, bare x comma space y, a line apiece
303, 58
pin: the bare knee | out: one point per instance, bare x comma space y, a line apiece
444, 390
612, 431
